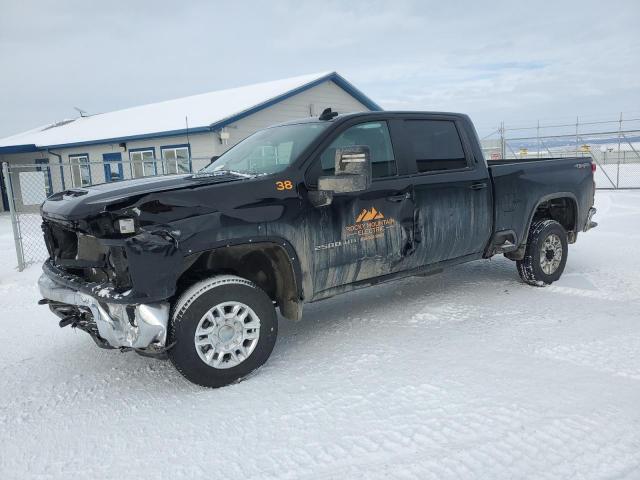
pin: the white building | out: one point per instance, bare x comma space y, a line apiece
174, 136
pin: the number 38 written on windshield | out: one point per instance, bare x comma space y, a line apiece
284, 185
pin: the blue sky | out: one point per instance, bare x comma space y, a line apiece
510, 61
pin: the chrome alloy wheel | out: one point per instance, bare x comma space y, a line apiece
551, 254
227, 334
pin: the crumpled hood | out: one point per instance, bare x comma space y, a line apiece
78, 203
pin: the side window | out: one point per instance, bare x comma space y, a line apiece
435, 144
373, 134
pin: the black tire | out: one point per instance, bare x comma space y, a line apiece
530, 268
190, 308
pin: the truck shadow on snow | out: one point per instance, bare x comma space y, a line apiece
395, 301
403, 298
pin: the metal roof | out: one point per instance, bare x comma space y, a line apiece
193, 114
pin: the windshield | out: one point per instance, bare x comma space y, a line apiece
267, 151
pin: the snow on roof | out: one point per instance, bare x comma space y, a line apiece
202, 112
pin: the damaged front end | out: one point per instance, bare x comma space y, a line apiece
114, 288
117, 252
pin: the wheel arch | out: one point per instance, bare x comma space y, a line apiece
272, 264
568, 218
570, 223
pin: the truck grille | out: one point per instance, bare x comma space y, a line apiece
62, 244
71, 249
84, 256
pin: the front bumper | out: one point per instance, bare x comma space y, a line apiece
590, 223
138, 326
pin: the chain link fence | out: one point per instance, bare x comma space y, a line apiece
614, 146
26, 190
28, 185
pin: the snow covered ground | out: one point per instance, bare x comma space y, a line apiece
469, 374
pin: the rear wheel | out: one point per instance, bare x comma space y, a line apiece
223, 328
546, 253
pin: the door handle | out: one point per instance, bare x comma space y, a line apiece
400, 197
478, 186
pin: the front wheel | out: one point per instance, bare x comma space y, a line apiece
545, 255
223, 328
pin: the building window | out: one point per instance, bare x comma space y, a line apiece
143, 162
80, 170
176, 159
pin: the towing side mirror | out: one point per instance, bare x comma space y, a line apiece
352, 174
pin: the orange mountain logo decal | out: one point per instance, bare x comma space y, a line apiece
367, 215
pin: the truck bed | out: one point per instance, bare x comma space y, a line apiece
519, 183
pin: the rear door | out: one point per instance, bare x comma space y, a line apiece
451, 189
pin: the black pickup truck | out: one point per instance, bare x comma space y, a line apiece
193, 266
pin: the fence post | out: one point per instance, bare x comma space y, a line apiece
14, 217
577, 124
502, 142
619, 146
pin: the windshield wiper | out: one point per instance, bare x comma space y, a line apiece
222, 173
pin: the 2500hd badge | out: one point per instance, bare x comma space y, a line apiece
193, 267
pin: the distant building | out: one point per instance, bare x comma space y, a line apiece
173, 136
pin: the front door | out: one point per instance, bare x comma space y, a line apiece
452, 191
365, 234
112, 167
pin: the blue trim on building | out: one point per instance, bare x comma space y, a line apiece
20, 149
3, 193
107, 160
88, 164
333, 76
357, 94
178, 145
